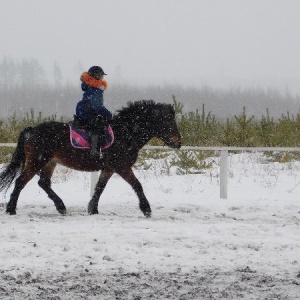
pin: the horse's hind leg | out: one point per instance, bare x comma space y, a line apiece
20, 183
45, 183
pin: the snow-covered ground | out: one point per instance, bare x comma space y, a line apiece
195, 246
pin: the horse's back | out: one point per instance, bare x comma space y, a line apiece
52, 125
51, 128
48, 134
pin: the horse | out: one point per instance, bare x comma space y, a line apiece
40, 148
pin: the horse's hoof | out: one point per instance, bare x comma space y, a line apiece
147, 214
62, 211
92, 208
12, 213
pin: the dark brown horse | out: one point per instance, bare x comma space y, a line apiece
40, 148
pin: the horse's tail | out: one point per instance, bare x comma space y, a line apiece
16, 165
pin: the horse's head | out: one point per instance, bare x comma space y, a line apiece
148, 119
165, 125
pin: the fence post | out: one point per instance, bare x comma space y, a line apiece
223, 173
93, 182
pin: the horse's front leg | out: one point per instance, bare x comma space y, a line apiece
129, 176
100, 186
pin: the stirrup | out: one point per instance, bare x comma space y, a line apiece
100, 154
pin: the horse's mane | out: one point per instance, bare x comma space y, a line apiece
143, 110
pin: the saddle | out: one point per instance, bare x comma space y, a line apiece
81, 137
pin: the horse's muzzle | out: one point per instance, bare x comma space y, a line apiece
174, 141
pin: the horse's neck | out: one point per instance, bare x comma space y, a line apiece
139, 134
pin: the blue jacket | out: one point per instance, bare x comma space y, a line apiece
91, 104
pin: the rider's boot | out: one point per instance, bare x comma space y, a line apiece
94, 146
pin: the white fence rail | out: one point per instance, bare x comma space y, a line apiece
223, 160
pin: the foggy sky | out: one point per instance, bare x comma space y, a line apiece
192, 42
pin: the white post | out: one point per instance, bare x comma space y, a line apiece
223, 173
94, 179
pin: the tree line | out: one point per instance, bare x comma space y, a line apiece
24, 86
198, 128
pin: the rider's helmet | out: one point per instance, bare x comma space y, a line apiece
96, 72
